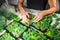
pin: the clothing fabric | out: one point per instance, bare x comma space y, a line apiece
36, 4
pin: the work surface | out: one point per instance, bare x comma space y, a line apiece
16, 29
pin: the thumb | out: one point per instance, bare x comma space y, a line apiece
27, 16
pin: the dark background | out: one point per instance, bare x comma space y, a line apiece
1, 2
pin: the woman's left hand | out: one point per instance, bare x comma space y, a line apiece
38, 17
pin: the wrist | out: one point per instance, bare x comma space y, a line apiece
22, 11
44, 13
41, 13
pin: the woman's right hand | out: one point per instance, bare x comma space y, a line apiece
25, 17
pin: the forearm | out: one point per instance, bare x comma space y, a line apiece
52, 4
49, 11
20, 7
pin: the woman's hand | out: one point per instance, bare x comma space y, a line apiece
25, 16
38, 17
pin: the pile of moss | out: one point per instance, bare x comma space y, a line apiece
16, 29
2, 22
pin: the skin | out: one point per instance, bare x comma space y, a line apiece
41, 14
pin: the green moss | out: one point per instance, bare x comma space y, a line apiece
44, 23
7, 14
16, 29
51, 32
33, 35
2, 22
6, 36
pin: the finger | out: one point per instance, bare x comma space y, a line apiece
28, 16
38, 19
25, 18
34, 18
